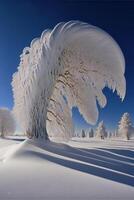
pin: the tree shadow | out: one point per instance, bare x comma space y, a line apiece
14, 139
124, 152
89, 161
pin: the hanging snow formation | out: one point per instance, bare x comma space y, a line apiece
67, 66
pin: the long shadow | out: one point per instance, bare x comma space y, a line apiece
111, 154
18, 139
15, 139
95, 159
104, 166
86, 168
124, 152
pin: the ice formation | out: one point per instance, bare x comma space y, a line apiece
66, 67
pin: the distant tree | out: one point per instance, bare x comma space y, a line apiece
91, 133
109, 134
115, 133
83, 134
125, 126
7, 122
101, 131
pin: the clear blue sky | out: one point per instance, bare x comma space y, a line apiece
21, 21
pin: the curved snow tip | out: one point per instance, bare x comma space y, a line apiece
122, 93
92, 118
44, 33
34, 41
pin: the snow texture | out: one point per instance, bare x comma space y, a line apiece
7, 122
82, 169
66, 67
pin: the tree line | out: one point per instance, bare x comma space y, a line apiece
124, 130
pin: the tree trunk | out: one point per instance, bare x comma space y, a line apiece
37, 126
2, 132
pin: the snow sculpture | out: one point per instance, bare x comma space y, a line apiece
125, 126
101, 131
66, 67
7, 122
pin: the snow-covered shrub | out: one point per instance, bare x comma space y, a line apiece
125, 126
66, 67
101, 131
7, 123
91, 133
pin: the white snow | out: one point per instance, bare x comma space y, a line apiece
81, 169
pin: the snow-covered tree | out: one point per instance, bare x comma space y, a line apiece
125, 126
109, 134
66, 67
91, 133
83, 133
101, 130
7, 122
115, 133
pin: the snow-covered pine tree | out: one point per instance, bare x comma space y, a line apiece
125, 126
83, 135
101, 131
91, 133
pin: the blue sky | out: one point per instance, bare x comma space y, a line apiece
21, 21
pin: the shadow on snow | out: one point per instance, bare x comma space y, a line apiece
99, 162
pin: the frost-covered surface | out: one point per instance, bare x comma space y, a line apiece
67, 66
81, 169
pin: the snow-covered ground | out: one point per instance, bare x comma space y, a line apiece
82, 169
